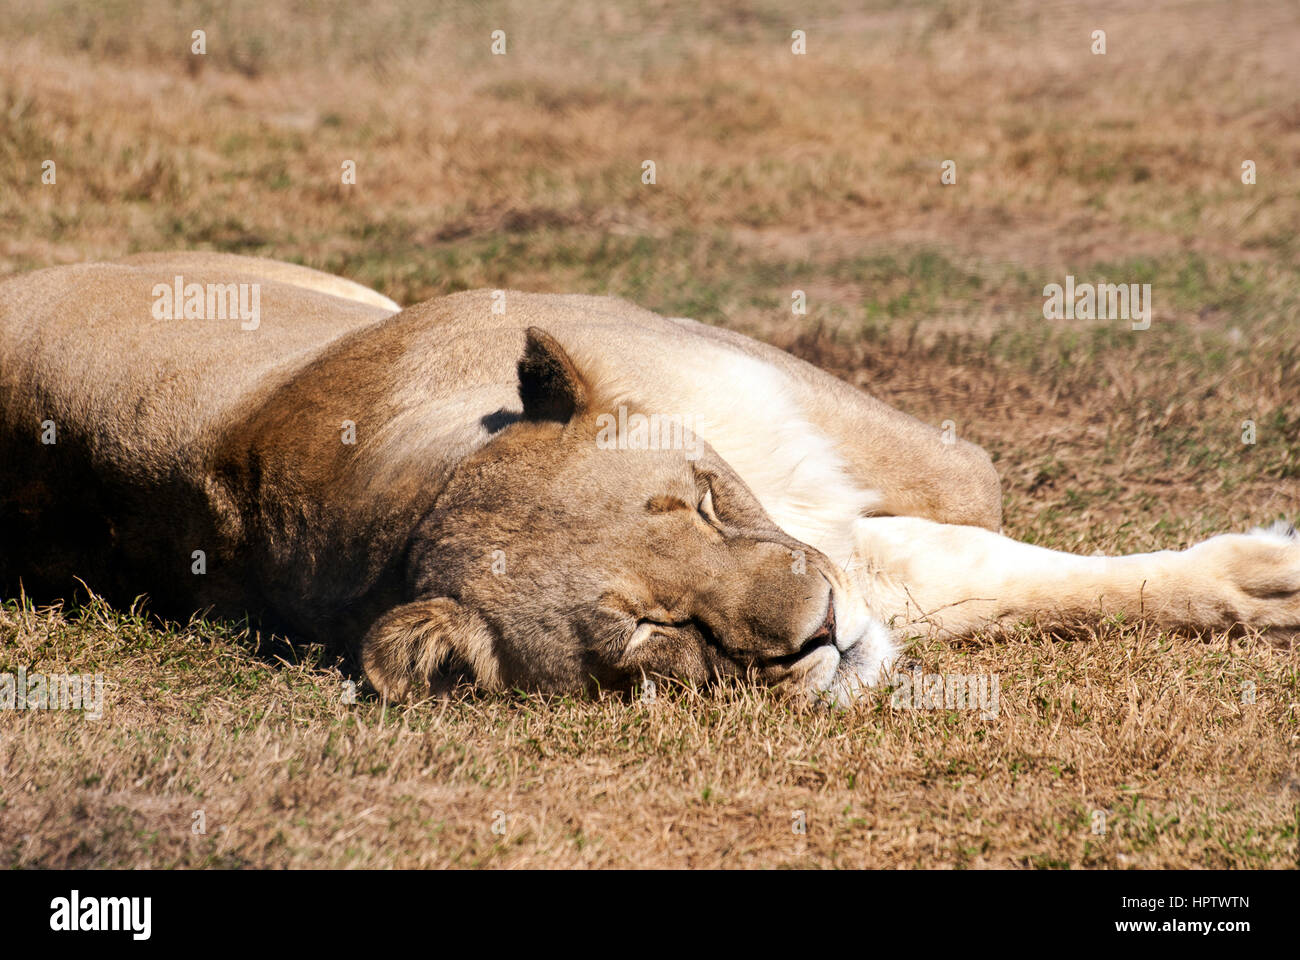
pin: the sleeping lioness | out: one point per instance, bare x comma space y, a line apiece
519, 490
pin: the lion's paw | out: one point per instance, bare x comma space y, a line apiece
1262, 572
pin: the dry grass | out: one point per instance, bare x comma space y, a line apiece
774, 173
1149, 728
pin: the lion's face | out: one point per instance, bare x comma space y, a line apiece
554, 562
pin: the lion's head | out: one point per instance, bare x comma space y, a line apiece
555, 562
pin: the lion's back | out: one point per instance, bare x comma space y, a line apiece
85, 349
109, 405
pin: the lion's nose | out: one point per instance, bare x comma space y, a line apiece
825, 634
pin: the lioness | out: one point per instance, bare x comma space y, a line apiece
513, 489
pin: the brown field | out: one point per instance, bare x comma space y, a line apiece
775, 172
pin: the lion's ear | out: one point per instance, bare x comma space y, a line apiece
427, 647
550, 386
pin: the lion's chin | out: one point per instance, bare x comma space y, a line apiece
839, 676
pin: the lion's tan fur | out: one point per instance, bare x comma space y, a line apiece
348, 470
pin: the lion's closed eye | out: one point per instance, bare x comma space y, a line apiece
706, 508
647, 627
703, 509
665, 503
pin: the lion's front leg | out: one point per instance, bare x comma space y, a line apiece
955, 580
